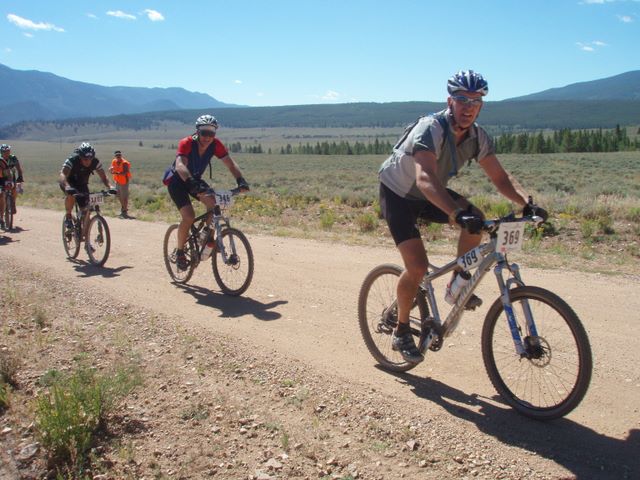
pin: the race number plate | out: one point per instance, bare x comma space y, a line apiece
96, 199
224, 198
510, 237
470, 259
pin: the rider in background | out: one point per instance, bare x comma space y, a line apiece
413, 182
74, 178
183, 178
12, 171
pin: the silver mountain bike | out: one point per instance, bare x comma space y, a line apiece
535, 349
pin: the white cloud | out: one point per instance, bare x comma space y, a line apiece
91, 15
591, 46
31, 25
121, 14
331, 96
154, 15
28, 34
625, 18
238, 82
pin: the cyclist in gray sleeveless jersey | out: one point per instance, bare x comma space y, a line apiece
413, 184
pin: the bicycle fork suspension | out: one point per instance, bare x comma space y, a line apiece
516, 333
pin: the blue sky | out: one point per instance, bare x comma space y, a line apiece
290, 52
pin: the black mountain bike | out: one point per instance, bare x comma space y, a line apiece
97, 239
231, 256
9, 205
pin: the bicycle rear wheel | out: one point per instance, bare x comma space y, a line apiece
553, 376
70, 239
98, 240
169, 250
234, 276
7, 216
378, 315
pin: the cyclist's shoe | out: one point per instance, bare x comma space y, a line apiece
68, 224
181, 261
404, 344
473, 302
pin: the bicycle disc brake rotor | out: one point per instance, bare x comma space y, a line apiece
538, 351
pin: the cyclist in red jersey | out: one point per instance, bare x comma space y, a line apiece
184, 177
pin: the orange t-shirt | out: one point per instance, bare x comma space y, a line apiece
121, 170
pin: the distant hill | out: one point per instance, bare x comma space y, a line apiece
625, 86
34, 95
574, 106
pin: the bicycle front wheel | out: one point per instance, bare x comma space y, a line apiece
551, 378
98, 241
378, 315
70, 239
169, 249
8, 212
235, 274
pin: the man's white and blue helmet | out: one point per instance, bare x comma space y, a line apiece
467, 81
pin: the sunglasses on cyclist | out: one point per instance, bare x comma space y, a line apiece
466, 100
206, 133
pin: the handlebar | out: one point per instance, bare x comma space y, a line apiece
491, 226
106, 193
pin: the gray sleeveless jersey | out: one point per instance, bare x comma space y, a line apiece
398, 171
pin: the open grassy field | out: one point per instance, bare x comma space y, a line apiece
594, 199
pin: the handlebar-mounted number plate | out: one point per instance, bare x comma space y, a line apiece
96, 199
510, 237
224, 198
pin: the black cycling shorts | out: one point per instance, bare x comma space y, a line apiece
81, 188
179, 193
402, 214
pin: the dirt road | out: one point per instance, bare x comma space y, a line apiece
302, 304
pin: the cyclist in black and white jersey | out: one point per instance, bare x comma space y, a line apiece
74, 177
413, 181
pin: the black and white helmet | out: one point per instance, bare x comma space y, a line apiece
86, 150
208, 122
467, 81
5, 148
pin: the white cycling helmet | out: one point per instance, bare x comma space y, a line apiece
207, 122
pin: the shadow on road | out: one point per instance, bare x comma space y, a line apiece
5, 240
233, 306
85, 269
583, 451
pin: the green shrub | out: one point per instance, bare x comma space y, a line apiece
367, 222
4, 395
327, 219
588, 228
75, 407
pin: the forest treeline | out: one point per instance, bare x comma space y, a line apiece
567, 140
560, 141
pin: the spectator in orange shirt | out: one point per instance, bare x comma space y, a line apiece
121, 171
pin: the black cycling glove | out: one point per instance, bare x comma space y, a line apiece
531, 209
242, 183
19, 179
470, 221
196, 186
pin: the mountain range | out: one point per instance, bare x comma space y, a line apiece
33, 96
